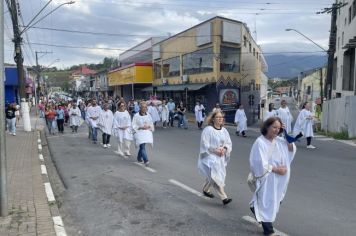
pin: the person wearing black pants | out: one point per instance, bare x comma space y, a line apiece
304, 125
60, 125
106, 139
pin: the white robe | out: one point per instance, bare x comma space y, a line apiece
270, 189
106, 121
142, 136
199, 113
75, 118
270, 114
303, 124
93, 112
286, 118
213, 167
241, 120
152, 110
164, 113
122, 120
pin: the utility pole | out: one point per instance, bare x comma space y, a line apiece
3, 169
332, 46
38, 73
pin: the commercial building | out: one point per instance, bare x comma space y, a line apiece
11, 84
215, 61
311, 83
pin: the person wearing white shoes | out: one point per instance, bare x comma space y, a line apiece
304, 125
75, 118
122, 130
106, 121
241, 121
11, 118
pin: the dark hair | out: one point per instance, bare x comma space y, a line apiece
304, 104
270, 106
119, 103
268, 123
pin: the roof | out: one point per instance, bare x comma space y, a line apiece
84, 70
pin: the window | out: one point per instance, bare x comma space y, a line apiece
157, 69
342, 39
250, 47
254, 51
171, 67
338, 43
354, 9
257, 56
197, 62
350, 14
245, 40
348, 70
230, 59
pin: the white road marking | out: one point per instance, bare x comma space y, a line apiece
49, 192
253, 221
145, 167
324, 139
43, 170
40, 156
349, 142
59, 226
185, 187
39, 147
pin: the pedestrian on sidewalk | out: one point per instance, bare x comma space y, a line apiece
105, 123
241, 121
182, 121
286, 116
11, 118
215, 150
199, 111
122, 130
17, 113
171, 108
74, 117
93, 113
51, 119
304, 125
143, 126
163, 109
60, 119
270, 160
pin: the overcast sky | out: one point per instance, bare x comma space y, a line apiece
136, 21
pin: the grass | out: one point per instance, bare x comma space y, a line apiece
343, 135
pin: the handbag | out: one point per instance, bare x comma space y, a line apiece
252, 179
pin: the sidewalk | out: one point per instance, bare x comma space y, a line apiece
29, 212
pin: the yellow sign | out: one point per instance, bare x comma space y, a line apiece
129, 75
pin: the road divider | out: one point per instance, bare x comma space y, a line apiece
59, 226
43, 170
49, 192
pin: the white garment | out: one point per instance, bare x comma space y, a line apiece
142, 136
304, 124
122, 120
241, 120
106, 121
213, 167
270, 114
152, 110
270, 189
199, 113
286, 118
75, 118
93, 112
163, 109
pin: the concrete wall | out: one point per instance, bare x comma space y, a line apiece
339, 114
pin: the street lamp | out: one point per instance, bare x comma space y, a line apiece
308, 39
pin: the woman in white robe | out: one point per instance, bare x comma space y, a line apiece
75, 118
286, 116
122, 130
241, 121
163, 109
153, 111
105, 123
143, 126
215, 150
271, 112
304, 125
199, 111
270, 161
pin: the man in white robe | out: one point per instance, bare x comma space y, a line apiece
199, 114
106, 121
286, 116
153, 111
241, 121
93, 114
123, 130
163, 109
304, 125
75, 119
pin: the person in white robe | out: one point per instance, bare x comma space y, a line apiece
286, 116
271, 112
153, 111
241, 121
143, 127
199, 111
217, 107
304, 125
86, 118
163, 109
270, 161
122, 130
215, 150
105, 123
93, 114
75, 118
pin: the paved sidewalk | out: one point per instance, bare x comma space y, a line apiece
29, 212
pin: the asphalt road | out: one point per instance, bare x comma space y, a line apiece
110, 195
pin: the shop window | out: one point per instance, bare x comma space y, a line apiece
230, 59
171, 67
197, 62
157, 70
348, 70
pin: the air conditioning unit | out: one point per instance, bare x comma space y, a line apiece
184, 78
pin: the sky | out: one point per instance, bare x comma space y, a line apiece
132, 22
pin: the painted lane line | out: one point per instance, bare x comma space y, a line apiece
253, 221
186, 188
59, 226
39, 147
40, 156
43, 170
145, 167
49, 192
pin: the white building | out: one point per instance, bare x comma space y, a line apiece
344, 74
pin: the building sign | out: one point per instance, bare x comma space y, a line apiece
228, 98
231, 32
142, 74
203, 34
122, 77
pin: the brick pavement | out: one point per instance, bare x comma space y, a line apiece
29, 212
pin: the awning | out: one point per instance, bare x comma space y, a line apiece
178, 87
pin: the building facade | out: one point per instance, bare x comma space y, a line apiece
311, 84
